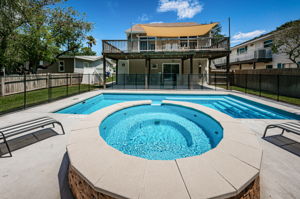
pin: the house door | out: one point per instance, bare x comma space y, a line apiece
170, 72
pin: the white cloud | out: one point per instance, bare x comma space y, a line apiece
241, 37
156, 22
248, 35
143, 18
184, 8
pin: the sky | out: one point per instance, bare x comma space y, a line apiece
248, 18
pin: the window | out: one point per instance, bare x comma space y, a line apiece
61, 66
242, 50
280, 65
86, 64
183, 42
147, 43
268, 43
269, 66
154, 66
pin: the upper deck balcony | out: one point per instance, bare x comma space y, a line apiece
165, 45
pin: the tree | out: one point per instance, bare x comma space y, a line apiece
287, 41
13, 14
91, 41
87, 51
43, 32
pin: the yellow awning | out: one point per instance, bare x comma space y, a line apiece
181, 31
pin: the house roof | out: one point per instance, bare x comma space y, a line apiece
87, 58
172, 29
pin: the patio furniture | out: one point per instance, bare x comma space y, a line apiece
292, 127
22, 127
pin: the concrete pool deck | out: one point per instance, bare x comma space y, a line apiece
33, 170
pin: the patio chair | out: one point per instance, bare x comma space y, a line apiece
26, 126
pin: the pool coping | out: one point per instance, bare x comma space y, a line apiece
222, 172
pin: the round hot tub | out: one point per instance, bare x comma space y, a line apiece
161, 132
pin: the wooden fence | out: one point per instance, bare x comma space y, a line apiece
18, 83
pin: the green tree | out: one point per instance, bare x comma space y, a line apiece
14, 14
44, 33
87, 52
287, 41
91, 41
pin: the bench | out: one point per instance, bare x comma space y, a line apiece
20, 128
292, 127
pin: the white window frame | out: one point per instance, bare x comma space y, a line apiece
59, 65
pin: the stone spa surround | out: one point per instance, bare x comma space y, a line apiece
231, 170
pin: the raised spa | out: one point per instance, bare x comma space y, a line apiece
161, 132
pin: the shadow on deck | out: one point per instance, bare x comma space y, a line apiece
285, 143
26, 140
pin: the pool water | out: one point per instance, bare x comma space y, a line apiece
231, 105
165, 132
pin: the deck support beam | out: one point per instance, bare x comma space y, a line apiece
104, 72
117, 70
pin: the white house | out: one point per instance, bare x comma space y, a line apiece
256, 54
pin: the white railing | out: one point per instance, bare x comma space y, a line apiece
164, 44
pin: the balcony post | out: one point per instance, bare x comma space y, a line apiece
182, 66
117, 70
227, 71
254, 65
104, 72
191, 72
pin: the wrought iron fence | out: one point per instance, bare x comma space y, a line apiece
19, 92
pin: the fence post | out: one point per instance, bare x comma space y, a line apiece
215, 81
124, 80
259, 85
246, 82
67, 76
89, 82
24, 106
71, 79
3, 86
79, 81
49, 87
227, 77
135, 81
278, 87
189, 81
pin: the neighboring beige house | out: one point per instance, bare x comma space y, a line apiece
256, 54
79, 64
171, 49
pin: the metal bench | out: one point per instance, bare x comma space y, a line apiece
292, 127
20, 128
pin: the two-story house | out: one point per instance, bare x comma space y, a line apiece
256, 54
166, 53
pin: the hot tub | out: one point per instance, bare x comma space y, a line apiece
161, 132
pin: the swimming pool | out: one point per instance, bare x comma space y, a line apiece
231, 105
165, 132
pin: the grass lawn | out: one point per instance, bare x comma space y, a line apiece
290, 100
17, 100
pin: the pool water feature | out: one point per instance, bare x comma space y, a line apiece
231, 105
161, 132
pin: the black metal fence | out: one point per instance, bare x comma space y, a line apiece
19, 92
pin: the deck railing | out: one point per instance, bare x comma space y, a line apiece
165, 45
257, 55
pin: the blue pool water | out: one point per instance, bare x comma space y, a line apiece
165, 132
231, 105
